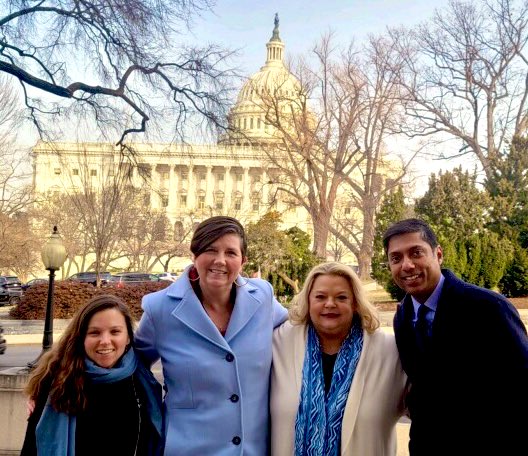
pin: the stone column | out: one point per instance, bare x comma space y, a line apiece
228, 189
246, 193
209, 187
191, 187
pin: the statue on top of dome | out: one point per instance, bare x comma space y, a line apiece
275, 36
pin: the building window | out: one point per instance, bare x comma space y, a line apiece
255, 206
201, 202
202, 177
164, 200
238, 204
244, 123
239, 177
165, 175
184, 175
178, 231
75, 171
183, 200
347, 210
93, 172
251, 122
57, 171
159, 233
258, 123
220, 177
219, 205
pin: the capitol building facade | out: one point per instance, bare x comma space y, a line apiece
230, 177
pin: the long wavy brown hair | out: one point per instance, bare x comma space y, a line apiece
61, 370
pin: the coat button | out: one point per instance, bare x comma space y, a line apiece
233, 398
229, 358
236, 440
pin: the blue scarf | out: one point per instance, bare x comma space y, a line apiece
319, 417
55, 431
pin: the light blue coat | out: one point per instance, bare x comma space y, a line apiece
217, 389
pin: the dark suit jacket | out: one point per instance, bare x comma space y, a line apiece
469, 391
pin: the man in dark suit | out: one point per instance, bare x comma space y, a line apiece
464, 349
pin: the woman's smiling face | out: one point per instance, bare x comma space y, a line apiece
106, 337
219, 264
331, 307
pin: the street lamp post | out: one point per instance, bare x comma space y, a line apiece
53, 256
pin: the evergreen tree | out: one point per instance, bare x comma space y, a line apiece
392, 209
508, 188
453, 205
514, 283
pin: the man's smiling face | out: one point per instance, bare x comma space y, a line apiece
415, 266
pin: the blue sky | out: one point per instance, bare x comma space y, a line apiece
247, 25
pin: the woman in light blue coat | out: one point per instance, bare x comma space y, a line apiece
213, 331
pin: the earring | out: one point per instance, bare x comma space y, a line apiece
241, 284
193, 274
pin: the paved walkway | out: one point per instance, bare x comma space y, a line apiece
31, 332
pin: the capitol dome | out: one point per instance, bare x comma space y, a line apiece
273, 83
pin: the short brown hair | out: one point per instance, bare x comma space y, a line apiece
212, 229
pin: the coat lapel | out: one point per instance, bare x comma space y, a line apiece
189, 310
355, 394
299, 352
246, 304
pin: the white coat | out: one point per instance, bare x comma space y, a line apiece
374, 404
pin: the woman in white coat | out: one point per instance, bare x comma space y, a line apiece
337, 385
213, 331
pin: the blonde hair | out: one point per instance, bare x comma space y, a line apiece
299, 311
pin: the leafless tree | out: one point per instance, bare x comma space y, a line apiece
330, 139
121, 64
16, 243
466, 76
150, 240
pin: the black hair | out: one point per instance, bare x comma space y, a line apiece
410, 225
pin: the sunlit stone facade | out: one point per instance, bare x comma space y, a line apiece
229, 178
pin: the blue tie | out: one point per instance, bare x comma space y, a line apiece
422, 327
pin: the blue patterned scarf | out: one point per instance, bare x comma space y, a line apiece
55, 431
319, 417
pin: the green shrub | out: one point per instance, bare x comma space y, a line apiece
514, 283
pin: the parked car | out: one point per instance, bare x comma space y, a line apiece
33, 282
90, 277
170, 276
10, 290
3, 343
132, 278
